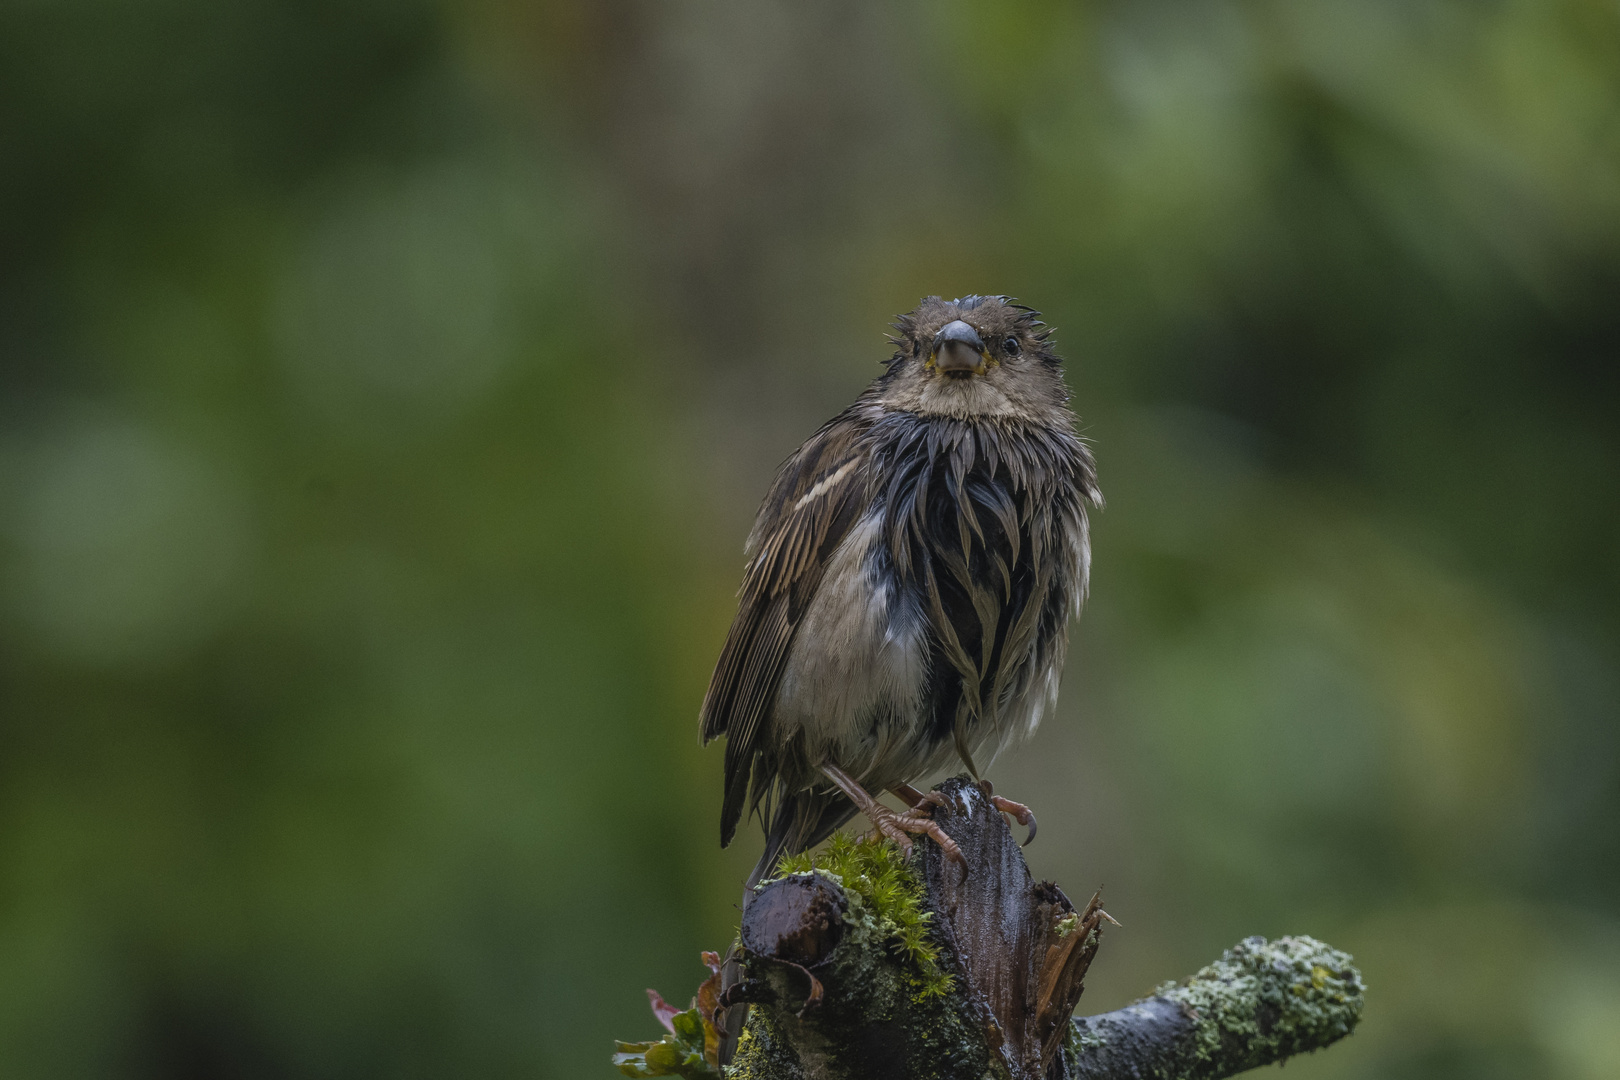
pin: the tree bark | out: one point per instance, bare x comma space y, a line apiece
839, 991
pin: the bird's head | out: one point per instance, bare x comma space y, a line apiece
976, 357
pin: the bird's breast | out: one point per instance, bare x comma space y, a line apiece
855, 673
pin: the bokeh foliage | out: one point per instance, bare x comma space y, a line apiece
386, 388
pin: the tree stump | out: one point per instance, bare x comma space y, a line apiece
935, 970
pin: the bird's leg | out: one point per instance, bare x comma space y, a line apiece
896, 827
1020, 813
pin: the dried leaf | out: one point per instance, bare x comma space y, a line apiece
708, 1005
663, 1010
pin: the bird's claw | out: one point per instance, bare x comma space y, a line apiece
1019, 812
901, 827
931, 828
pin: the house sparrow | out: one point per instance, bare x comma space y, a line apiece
909, 586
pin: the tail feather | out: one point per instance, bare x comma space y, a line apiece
731, 807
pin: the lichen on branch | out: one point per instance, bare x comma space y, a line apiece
1261, 1002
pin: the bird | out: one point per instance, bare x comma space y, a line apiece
909, 583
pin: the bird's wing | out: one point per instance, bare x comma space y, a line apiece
817, 497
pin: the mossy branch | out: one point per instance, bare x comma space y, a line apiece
862, 965
1260, 1002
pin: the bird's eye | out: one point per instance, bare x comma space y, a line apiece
1010, 346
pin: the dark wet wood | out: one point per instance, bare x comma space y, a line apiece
1020, 944
799, 920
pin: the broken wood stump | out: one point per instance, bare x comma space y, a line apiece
861, 965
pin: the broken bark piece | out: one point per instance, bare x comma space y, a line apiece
1022, 946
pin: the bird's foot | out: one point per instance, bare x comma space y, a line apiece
1017, 810
897, 827
916, 821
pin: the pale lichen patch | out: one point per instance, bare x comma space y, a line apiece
1277, 998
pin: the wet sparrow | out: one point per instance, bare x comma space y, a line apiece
910, 581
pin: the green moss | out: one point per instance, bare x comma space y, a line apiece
879, 882
1275, 998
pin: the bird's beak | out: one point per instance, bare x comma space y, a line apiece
958, 352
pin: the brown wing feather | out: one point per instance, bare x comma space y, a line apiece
818, 495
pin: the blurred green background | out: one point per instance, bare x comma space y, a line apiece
386, 388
